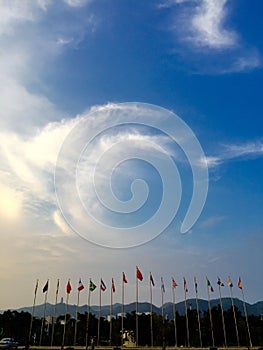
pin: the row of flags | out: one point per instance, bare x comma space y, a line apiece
139, 276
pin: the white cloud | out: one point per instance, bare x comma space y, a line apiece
208, 25
211, 221
243, 150
202, 27
77, 3
228, 152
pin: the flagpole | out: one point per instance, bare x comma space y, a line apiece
75, 333
186, 318
210, 314
163, 332
122, 311
234, 313
137, 328
198, 315
174, 312
88, 312
245, 311
151, 311
162, 305
32, 313
111, 297
99, 311
54, 315
44, 316
222, 312
65, 320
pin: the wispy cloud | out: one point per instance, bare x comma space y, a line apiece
202, 26
208, 25
211, 221
77, 3
228, 152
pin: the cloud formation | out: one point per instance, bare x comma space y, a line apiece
208, 25
228, 152
202, 27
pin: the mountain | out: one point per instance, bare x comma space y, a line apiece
252, 309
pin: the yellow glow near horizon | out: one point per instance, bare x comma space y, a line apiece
10, 203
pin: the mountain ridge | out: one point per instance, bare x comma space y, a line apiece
255, 309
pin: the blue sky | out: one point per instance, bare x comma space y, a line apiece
62, 60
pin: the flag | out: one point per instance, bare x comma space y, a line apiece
185, 286
68, 288
124, 278
209, 285
162, 285
174, 284
195, 282
36, 287
45, 288
219, 282
113, 285
92, 286
57, 287
151, 279
239, 283
102, 285
229, 282
80, 287
139, 274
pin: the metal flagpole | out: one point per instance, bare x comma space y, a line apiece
68, 289
65, 321
197, 311
54, 315
186, 314
162, 299
174, 285
32, 314
140, 277
122, 309
220, 283
210, 313
44, 314
98, 340
137, 328
245, 311
151, 309
88, 312
230, 284
111, 297
163, 331
75, 333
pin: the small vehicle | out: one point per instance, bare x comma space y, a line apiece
8, 343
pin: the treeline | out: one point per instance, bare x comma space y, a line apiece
16, 324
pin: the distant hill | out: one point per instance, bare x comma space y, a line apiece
252, 309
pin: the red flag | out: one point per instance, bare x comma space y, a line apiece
68, 287
174, 284
239, 283
80, 287
139, 274
124, 278
113, 285
185, 286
